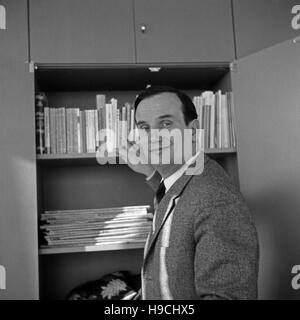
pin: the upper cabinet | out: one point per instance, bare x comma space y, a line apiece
81, 31
13, 30
183, 31
262, 23
128, 31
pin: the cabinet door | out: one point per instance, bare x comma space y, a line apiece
82, 31
18, 209
184, 31
13, 30
267, 95
262, 23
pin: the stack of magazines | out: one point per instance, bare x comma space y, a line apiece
93, 227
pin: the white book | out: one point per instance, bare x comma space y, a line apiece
207, 114
97, 139
117, 129
92, 130
232, 118
88, 131
218, 119
63, 131
124, 127
132, 137
224, 122
78, 131
114, 106
212, 121
82, 132
108, 122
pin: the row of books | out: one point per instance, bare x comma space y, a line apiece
216, 116
92, 227
71, 130
63, 130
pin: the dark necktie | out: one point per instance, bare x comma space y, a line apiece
160, 192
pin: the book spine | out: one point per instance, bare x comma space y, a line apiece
114, 103
131, 131
212, 121
124, 127
226, 119
39, 121
232, 118
52, 131
223, 128
87, 131
78, 132
73, 127
58, 130
68, 122
218, 119
108, 125
47, 129
64, 135
83, 132
117, 129
128, 121
97, 140
93, 131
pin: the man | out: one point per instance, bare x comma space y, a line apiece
203, 244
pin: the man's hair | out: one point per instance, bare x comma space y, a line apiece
188, 107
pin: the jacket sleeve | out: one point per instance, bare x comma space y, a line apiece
226, 253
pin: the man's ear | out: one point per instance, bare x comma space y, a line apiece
194, 125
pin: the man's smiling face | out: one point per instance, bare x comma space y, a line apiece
161, 111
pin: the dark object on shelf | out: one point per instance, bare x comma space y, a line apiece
120, 285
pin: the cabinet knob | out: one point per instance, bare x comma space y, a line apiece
143, 28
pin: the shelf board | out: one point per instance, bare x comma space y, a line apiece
78, 156
104, 247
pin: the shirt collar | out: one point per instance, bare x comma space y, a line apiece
168, 182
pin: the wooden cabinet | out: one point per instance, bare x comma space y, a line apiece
266, 91
82, 31
77, 31
78, 181
262, 23
14, 35
183, 31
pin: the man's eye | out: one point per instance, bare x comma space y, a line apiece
166, 124
144, 127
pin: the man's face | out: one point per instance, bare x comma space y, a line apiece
161, 111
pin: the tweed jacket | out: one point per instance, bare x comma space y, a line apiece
203, 244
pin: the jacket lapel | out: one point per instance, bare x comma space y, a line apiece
166, 206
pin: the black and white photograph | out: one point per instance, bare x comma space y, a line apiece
149, 150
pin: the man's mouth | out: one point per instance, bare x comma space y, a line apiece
160, 148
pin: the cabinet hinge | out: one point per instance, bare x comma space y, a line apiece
296, 40
233, 66
32, 67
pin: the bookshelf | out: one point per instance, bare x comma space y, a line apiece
77, 181
78, 156
106, 247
